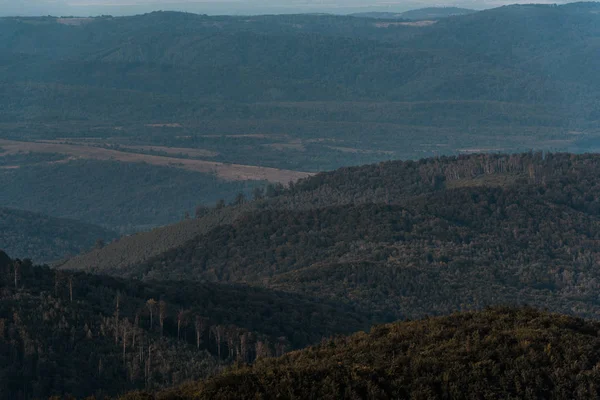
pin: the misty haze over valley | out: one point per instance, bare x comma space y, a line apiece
302, 199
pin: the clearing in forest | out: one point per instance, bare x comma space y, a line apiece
231, 172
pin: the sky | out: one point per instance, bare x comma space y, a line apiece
129, 7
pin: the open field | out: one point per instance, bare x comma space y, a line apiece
231, 172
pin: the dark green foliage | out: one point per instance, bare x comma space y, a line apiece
314, 92
72, 333
494, 354
124, 196
405, 239
46, 239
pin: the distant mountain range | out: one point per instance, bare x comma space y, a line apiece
430, 13
295, 93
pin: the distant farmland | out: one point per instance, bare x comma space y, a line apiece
231, 172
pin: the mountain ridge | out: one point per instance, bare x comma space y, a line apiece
419, 14
496, 353
75, 334
396, 237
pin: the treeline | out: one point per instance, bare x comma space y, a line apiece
404, 239
496, 353
65, 333
123, 197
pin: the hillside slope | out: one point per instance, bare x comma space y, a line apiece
78, 334
45, 239
298, 93
497, 353
405, 239
429, 13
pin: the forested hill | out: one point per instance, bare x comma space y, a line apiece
77, 334
404, 239
189, 105
493, 354
429, 13
25, 234
510, 54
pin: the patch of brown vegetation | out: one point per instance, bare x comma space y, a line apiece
233, 172
134, 249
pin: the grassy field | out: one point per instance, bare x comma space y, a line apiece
231, 172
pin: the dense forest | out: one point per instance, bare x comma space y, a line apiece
245, 163
64, 333
124, 197
304, 93
404, 239
493, 354
45, 239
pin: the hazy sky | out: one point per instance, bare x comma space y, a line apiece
125, 7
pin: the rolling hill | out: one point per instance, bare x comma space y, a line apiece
45, 239
295, 94
123, 197
492, 354
74, 334
429, 13
404, 239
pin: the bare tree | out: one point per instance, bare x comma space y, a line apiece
71, 288
149, 364
262, 349
126, 330
151, 304
243, 355
231, 335
136, 325
117, 303
162, 314
218, 331
17, 271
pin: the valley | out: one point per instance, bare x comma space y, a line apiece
232, 172
378, 205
